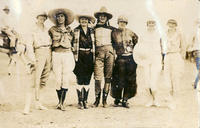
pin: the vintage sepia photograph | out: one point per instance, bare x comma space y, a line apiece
99, 64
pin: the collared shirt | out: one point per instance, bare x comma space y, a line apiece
174, 42
41, 38
61, 38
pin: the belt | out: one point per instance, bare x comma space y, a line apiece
84, 49
61, 49
171, 52
107, 45
43, 46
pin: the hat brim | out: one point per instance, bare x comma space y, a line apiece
105, 13
6, 9
90, 18
172, 21
68, 13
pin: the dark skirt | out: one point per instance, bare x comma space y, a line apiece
84, 67
124, 78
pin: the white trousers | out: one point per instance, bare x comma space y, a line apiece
63, 66
173, 69
152, 73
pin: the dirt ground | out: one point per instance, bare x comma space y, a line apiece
12, 93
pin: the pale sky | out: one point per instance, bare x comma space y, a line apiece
137, 11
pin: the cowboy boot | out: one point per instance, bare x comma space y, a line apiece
125, 103
116, 102
58, 106
104, 100
63, 95
97, 93
80, 105
85, 95
13, 50
105, 94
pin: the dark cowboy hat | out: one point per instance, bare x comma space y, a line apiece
42, 14
6, 8
103, 10
68, 13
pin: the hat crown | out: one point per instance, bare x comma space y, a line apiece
171, 21
6, 8
103, 9
123, 18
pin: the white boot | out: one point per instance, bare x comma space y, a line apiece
149, 104
27, 104
156, 103
171, 106
39, 106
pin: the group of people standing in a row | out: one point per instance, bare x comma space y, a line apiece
112, 54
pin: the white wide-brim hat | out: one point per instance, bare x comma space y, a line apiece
90, 18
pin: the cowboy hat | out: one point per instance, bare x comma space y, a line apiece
103, 10
122, 18
151, 22
172, 21
6, 8
42, 14
90, 18
68, 13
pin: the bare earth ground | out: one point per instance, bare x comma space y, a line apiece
12, 94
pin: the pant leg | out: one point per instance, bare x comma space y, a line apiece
167, 78
57, 68
155, 71
167, 72
116, 90
177, 71
47, 68
99, 64
68, 65
108, 64
146, 76
130, 88
39, 66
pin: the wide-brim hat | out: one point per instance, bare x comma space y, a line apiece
122, 18
90, 18
42, 14
6, 8
103, 10
151, 22
68, 13
172, 21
